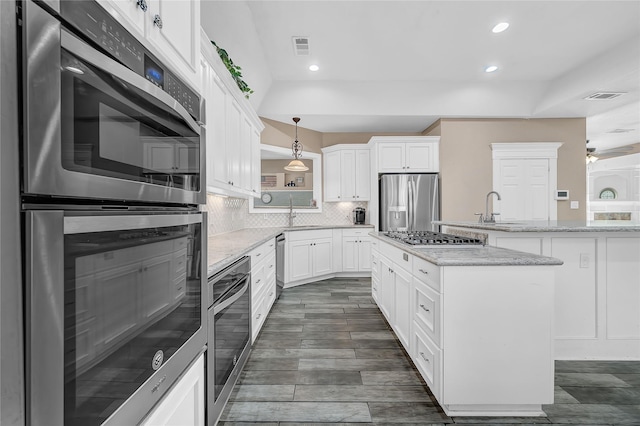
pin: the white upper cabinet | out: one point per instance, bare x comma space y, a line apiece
347, 173
407, 154
169, 28
232, 130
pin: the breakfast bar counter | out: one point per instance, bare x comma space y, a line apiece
597, 295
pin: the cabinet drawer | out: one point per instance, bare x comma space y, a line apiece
258, 279
269, 297
270, 266
427, 272
261, 252
427, 358
180, 260
180, 243
356, 232
375, 285
375, 265
375, 244
427, 310
309, 235
400, 258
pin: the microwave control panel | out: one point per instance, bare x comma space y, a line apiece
97, 25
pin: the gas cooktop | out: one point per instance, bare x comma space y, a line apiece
430, 238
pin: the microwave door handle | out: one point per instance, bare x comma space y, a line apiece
87, 53
232, 299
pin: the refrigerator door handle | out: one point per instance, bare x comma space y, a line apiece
434, 204
411, 205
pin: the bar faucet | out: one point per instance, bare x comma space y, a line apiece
492, 218
291, 213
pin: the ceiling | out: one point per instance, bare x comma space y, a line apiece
398, 66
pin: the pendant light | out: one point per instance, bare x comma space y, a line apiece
296, 165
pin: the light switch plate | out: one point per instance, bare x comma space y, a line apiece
575, 205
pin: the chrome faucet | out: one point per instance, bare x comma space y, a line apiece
492, 218
291, 213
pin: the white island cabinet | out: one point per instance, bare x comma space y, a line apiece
597, 297
476, 321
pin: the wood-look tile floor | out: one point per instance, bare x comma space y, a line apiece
326, 355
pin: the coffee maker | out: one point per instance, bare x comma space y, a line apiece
358, 216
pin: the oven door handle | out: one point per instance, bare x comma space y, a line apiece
84, 51
224, 305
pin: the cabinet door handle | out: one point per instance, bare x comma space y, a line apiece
423, 307
423, 271
375, 289
258, 281
270, 294
157, 21
258, 317
142, 4
424, 357
271, 266
258, 255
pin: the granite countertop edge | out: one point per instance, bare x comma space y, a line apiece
541, 227
226, 248
472, 255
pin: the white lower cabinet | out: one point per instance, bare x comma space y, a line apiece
308, 254
263, 284
475, 333
356, 250
183, 404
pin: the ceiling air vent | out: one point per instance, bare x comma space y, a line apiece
301, 46
604, 96
620, 130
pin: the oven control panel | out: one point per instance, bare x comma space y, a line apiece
97, 25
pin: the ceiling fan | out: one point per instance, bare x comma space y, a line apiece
594, 155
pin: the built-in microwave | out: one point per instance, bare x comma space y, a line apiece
117, 308
103, 118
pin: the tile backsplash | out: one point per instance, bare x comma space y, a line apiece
230, 214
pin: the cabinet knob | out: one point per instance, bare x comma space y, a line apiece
338, 196
157, 21
142, 4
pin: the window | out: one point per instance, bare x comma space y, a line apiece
608, 194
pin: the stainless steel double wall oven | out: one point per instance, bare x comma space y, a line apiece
114, 239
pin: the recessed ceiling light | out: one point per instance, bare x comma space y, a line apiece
491, 68
500, 27
313, 67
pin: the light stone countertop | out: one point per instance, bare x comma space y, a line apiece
224, 249
549, 226
471, 255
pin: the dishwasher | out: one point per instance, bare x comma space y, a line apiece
280, 240
229, 324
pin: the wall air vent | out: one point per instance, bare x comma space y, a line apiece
604, 96
301, 46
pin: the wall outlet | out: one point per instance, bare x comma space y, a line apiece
584, 260
575, 205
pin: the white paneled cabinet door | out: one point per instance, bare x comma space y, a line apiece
350, 254
184, 403
234, 116
419, 157
386, 289
364, 254
173, 27
216, 117
322, 257
300, 258
402, 306
362, 174
391, 157
256, 166
347, 175
332, 176
245, 153
524, 189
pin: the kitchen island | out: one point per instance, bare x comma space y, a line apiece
477, 322
597, 297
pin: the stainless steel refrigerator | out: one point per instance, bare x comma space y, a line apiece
409, 202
